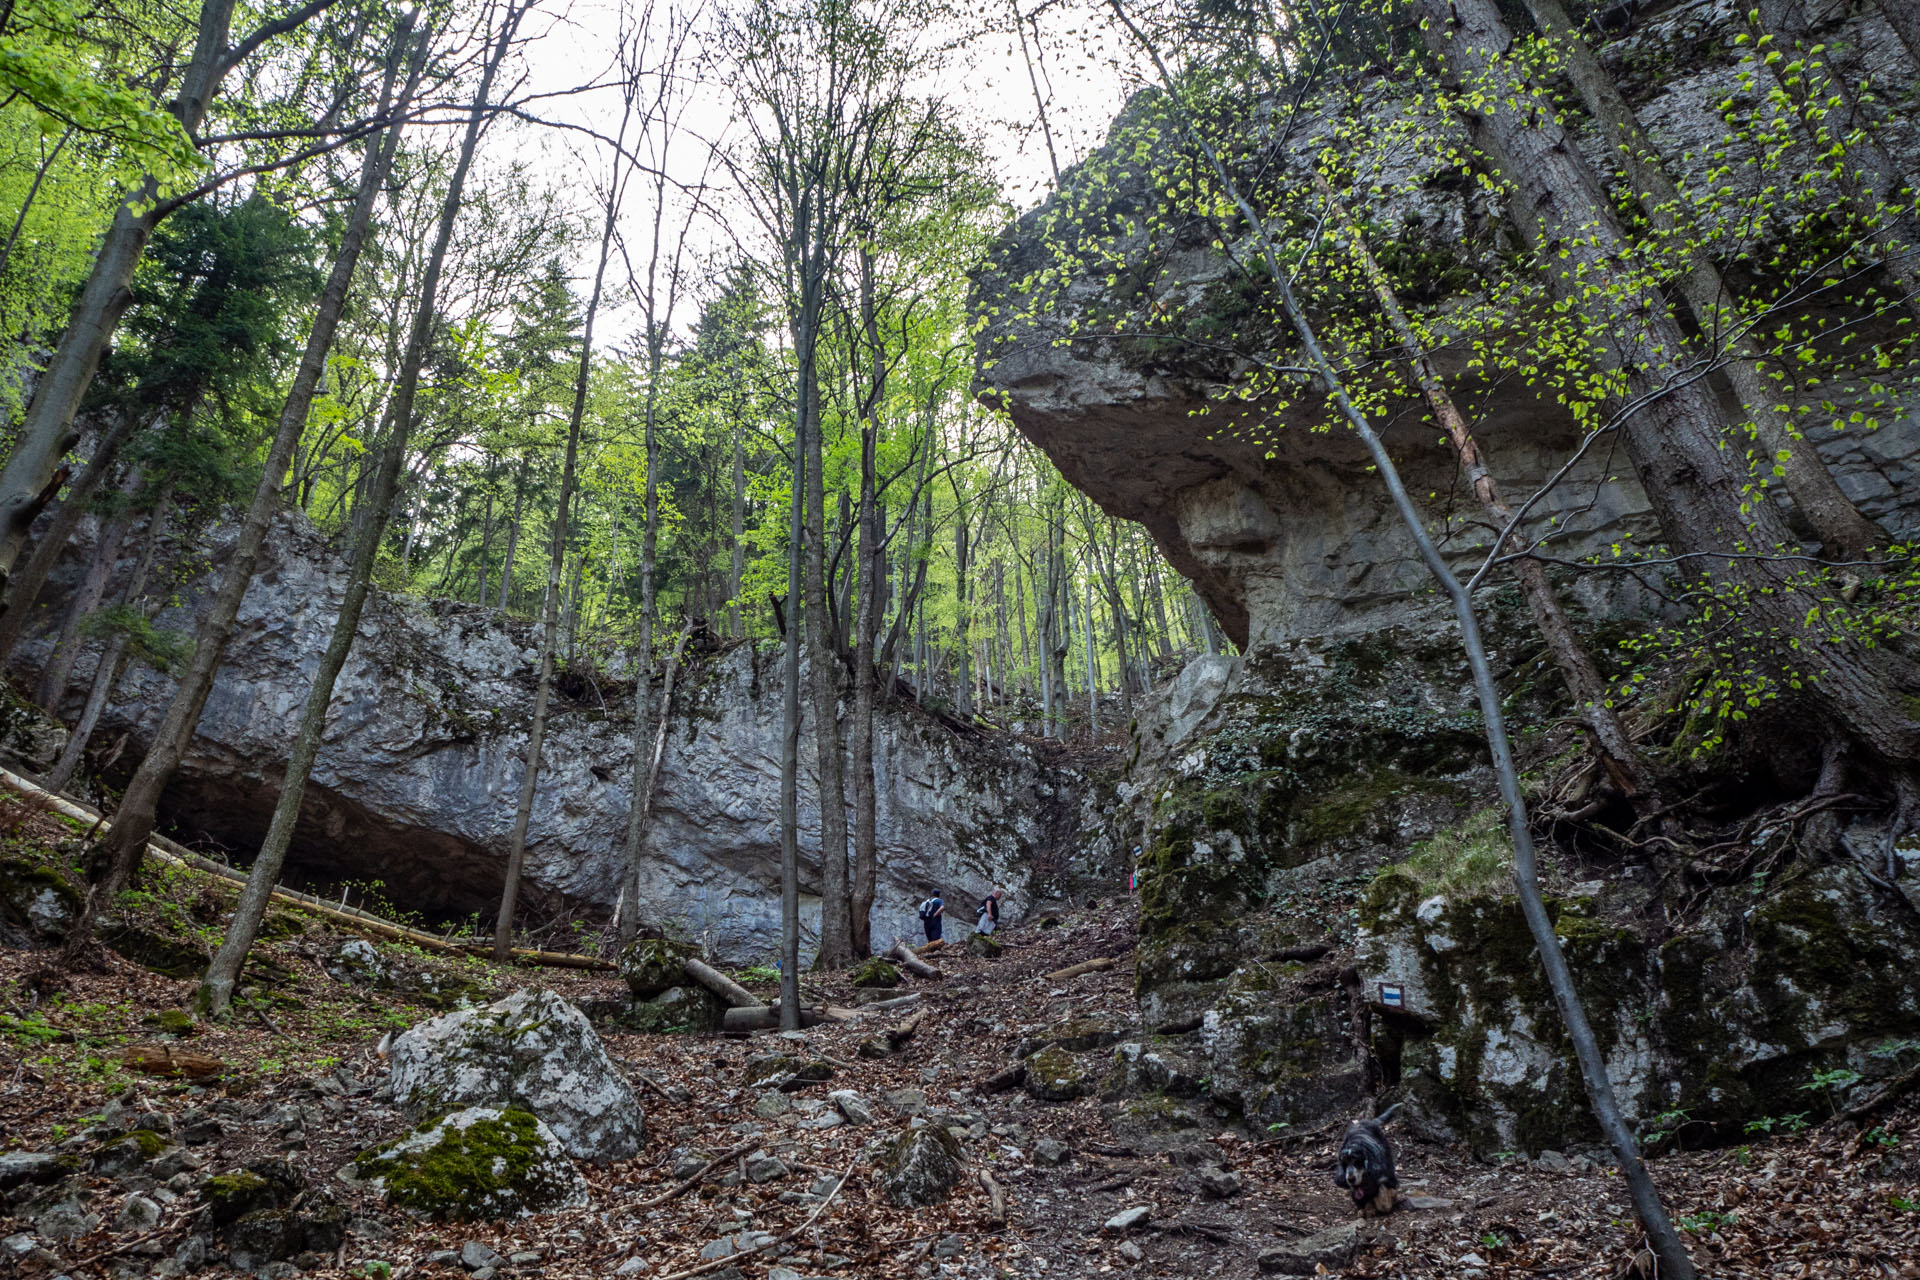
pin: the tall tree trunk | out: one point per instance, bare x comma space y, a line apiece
1583, 679
1824, 102
1027, 675
52, 686
556, 567
871, 568
1093, 675
45, 434
133, 820
1843, 531
24, 589
804, 345
513, 531
107, 673
1674, 436
486, 543
216, 990
963, 619
737, 570
836, 935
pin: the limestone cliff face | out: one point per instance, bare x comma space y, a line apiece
1324, 911
423, 759
1291, 536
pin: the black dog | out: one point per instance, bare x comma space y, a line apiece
1366, 1165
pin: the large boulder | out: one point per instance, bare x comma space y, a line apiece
477, 1163
533, 1051
920, 1167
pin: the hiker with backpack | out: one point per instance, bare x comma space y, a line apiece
989, 912
931, 913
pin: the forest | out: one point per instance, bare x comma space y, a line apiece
1221, 468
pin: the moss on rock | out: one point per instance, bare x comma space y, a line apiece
875, 972
480, 1163
1055, 1075
653, 965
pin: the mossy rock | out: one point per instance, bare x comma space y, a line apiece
265, 1184
478, 1164
651, 966
784, 1071
875, 973
677, 1011
37, 904
1054, 1075
984, 945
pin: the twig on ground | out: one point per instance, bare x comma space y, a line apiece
717, 1263
689, 1183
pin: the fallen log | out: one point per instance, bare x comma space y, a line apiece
173, 1063
1001, 1081
897, 1002
903, 956
936, 945
1100, 965
888, 1042
730, 992
996, 1201
765, 1017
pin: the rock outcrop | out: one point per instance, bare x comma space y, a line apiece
416, 784
1126, 375
1323, 876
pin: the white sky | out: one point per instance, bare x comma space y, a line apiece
987, 82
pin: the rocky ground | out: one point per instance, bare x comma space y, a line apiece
111, 1172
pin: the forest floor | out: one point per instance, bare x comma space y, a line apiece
304, 1075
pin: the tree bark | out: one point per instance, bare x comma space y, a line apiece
1843, 531
737, 570
872, 570
134, 819
216, 990
1904, 17
52, 685
513, 531
836, 934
